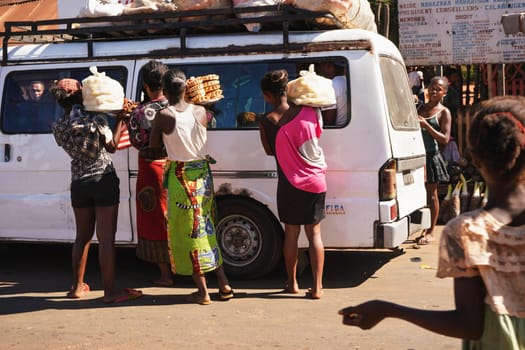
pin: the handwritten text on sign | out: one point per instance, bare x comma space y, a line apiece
458, 32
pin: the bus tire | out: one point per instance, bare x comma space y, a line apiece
249, 236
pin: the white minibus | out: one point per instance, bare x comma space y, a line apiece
376, 159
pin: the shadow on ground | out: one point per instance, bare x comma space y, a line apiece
44, 268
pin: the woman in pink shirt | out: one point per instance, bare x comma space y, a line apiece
290, 133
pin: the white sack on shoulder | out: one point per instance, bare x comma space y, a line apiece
101, 93
311, 89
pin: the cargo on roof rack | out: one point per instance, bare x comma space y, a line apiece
169, 24
166, 23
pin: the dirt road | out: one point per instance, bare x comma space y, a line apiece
34, 313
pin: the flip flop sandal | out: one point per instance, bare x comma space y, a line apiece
130, 294
225, 295
424, 240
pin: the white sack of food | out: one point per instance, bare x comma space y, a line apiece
101, 93
100, 8
352, 13
254, 27
311, 89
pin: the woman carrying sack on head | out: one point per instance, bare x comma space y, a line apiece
94, 187
290, 132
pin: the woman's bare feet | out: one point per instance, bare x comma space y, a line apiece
79, 291
291, 288
313, 294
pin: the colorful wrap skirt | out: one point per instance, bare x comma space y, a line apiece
151, 212
192, 242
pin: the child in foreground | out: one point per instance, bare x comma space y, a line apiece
483, 250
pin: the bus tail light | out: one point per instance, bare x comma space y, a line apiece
387, 181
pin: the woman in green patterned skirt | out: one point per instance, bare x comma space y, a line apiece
191, 205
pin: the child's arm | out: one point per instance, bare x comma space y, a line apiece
465, 322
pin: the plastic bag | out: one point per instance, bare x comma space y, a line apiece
351, 13
100, 8
101, 93
311, 89
254, 27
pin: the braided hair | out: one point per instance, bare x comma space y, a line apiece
497, 136
174, 83
275, 82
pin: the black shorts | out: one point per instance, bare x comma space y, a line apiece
96, 191
297, 207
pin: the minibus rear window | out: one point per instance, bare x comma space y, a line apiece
400, 102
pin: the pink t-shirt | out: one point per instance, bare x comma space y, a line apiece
298, 153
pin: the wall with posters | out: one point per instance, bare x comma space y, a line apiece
443, 32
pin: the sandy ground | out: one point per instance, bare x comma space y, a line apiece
34, 313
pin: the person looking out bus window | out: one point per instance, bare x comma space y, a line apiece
36, 112
338, 114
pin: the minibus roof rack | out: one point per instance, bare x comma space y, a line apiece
282, 18
221, 20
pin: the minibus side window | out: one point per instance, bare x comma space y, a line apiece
242, 99
242, 104
401, 107
337, 71
27, 105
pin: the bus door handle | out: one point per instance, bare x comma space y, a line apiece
7, 152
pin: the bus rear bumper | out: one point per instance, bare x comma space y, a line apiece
393, 234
